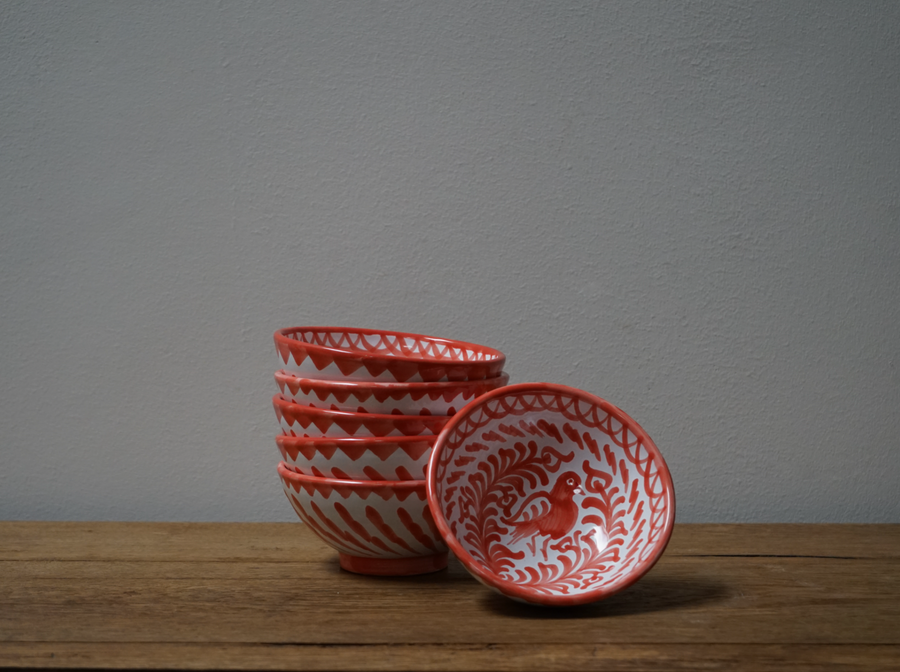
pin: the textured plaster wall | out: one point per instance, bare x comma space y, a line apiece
690, 209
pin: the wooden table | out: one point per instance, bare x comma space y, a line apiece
272, 597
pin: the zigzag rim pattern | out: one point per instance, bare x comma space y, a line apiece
374, 459
361, 396
298, 420
402, 356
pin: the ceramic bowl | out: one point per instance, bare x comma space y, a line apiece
377, 527
297, 420
336, 353
385, 398
550, 495
390, 458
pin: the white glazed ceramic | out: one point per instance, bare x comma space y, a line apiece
385, 398
550, 495
297, 420
377, 527
390, 458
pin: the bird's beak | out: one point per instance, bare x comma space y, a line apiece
578, 491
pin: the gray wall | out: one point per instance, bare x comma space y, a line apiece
690, 209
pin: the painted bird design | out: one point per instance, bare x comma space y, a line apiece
551, 514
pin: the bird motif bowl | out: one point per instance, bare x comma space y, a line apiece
389, 458
336, 353
297, 420
378, 527
550, 495
385, 398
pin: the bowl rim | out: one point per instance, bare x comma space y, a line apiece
509, 588
324, 440
281, 335
418, 386
331, 413
352, 484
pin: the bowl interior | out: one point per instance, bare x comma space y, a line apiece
390, 344
551, 495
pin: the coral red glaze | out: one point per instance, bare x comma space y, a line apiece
338, 353
392, 458
550, 495
393, 566
377, 527
297, 420
374, 397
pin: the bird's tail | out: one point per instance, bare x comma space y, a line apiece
520, 531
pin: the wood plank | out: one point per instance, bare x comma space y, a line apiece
451, 658
820, 540
272, 597
207, 542
683, 600
293, 542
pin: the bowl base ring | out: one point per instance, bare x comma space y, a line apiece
394, 566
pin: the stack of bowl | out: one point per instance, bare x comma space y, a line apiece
359, 411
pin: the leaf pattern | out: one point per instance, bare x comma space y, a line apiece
514, 445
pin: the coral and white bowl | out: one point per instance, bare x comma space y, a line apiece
337, 353
359, 412
444, 398
387, 458
550, 495
377, 527
297, 420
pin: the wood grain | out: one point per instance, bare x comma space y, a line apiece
272, 597
291, 542
449, 657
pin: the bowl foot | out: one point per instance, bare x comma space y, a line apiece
393, 566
